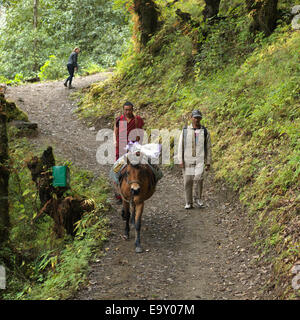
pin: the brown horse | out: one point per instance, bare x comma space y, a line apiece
136, 186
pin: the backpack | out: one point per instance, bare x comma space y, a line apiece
205, 137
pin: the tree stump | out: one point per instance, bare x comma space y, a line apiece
65, 211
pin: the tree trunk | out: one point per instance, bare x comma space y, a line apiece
41, 174
264, 15
35, 41
211, 8
4, 174
35, 13
147, 23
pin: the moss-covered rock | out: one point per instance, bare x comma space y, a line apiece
12, 111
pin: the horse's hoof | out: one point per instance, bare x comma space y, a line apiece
138, 250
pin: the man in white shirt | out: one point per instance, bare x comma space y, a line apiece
194, 155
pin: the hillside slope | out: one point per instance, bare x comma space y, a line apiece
249, 91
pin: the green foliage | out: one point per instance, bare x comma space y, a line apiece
248, 89
92, 68
99, 30
52, 69
228, 42
18, 79
38, 265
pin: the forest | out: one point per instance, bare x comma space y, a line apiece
237, 61
36, 36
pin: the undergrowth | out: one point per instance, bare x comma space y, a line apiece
249, 92
38, 265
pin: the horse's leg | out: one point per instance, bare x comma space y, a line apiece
132, 220
123, 214
126, 217
138, 223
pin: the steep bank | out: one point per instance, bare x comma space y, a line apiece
248, 90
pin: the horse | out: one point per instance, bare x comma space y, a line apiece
137, 184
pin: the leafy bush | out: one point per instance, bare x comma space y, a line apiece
52, 69
92, 68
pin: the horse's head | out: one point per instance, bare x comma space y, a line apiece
133, 171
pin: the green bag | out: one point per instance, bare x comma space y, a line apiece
61, 176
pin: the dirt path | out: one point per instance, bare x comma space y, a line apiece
196, 254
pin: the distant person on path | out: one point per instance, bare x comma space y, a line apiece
72, 67
194, 155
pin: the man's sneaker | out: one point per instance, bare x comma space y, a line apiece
71, 87
65, 84
188, 206
199, 203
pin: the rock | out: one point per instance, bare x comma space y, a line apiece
295, 10
24, 125
11, 110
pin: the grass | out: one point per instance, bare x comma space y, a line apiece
38, 265
248, 90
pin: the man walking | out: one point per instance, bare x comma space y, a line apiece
123, 126
194, 155
72, 67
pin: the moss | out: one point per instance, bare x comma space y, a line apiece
12, 111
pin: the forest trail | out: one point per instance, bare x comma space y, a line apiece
196, 254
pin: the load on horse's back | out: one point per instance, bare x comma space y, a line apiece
135, 179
